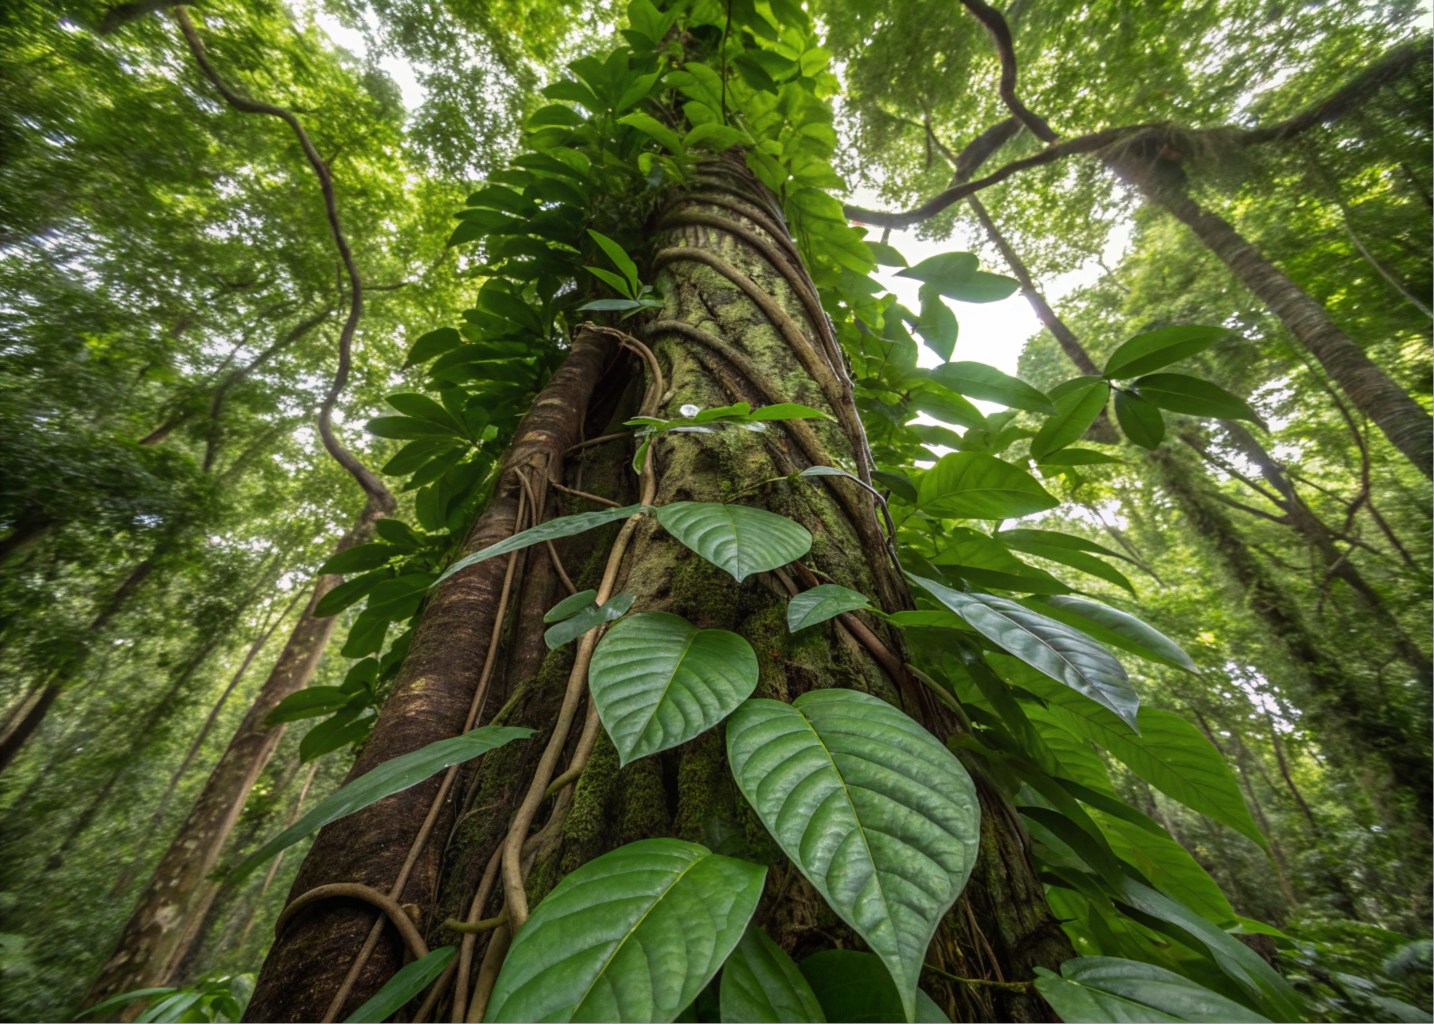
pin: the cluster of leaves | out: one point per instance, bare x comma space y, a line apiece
209, 999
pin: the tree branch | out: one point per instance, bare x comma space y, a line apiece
361, 473
995, 24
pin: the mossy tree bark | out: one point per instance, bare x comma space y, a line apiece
741, 324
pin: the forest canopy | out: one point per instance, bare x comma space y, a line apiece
716, 510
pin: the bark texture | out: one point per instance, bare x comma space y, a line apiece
158, 933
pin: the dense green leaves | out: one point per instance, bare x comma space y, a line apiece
385, 780
659, 681
737, 538
633, 935
874, 811
1098, 989
761, 983
972, 485
1075, 412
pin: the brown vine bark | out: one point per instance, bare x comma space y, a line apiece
153, 941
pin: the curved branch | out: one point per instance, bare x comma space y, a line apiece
1001, 35
353, 890
361, 473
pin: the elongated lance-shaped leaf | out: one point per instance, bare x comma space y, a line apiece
1154, 349
385, 780
658, 681
566, 526
737, 538
1101, 989
822, 602
877, 814
1061, 652
570, 606
761, 983
403, 986
633, 935
1128, 632
590, 617
973, 485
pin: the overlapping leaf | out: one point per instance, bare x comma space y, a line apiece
737, 538
760, 983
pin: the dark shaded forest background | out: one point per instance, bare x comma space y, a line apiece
170, 304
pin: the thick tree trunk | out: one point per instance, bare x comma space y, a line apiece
158, 933
1358, 720
741, 324
1403, 420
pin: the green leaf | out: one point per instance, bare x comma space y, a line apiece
899, 485
786, 411
937, 325
125, 998
570, 606
424, 408
611, 305
948, 407
855, 987
360, 558
1194, 397
1067, 550
1242, 964
432, 344
1140, 420
388, 778
983, 287
308, 703
658, 681
986, 562
944, 271
1101, 989
1074, 414
349, 592
1154, 349
592, 616
1174, 757
406, 428
565, 526
715, 136
737, 538
345, 728
403, 986
617, 283
651, 126
1170, 867
1129, 633
973, 485
821, 603
1078, 457
885, 255
1053, 648
874, 811
415, 454
761, 983
977, 380
633, 935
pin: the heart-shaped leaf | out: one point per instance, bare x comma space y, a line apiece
973, 485
877, 814
633, 935
385, 780
761, 983
821, 603
1098, 989
1059, 651
658, 681
738, 538
592, 616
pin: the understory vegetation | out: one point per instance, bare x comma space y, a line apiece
507, 511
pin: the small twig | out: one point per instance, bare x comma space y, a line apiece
584, 494
598, 440
1005, 986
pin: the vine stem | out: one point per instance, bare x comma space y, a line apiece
354, 890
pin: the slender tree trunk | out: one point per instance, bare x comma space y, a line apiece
158, 932
1403, 420
715, 345
1363, 725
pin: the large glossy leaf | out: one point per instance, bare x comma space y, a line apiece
737, 538
403, 986
1180, 392
1154, 349
944, 270
1101, 989
1125, 630
761, 983
821, 603
1067, 550
385, 780
977, 380
633, 935
565, 526
1170, 867
877, 814
1174, 757
1141, 420
974, 556
1266, 987
973, 485
658, 681
360, 558
1074, 413
1060, 652
590, 617
857, 987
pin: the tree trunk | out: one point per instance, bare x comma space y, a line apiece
1361, 723
1403, 420
737, 327
157, 934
